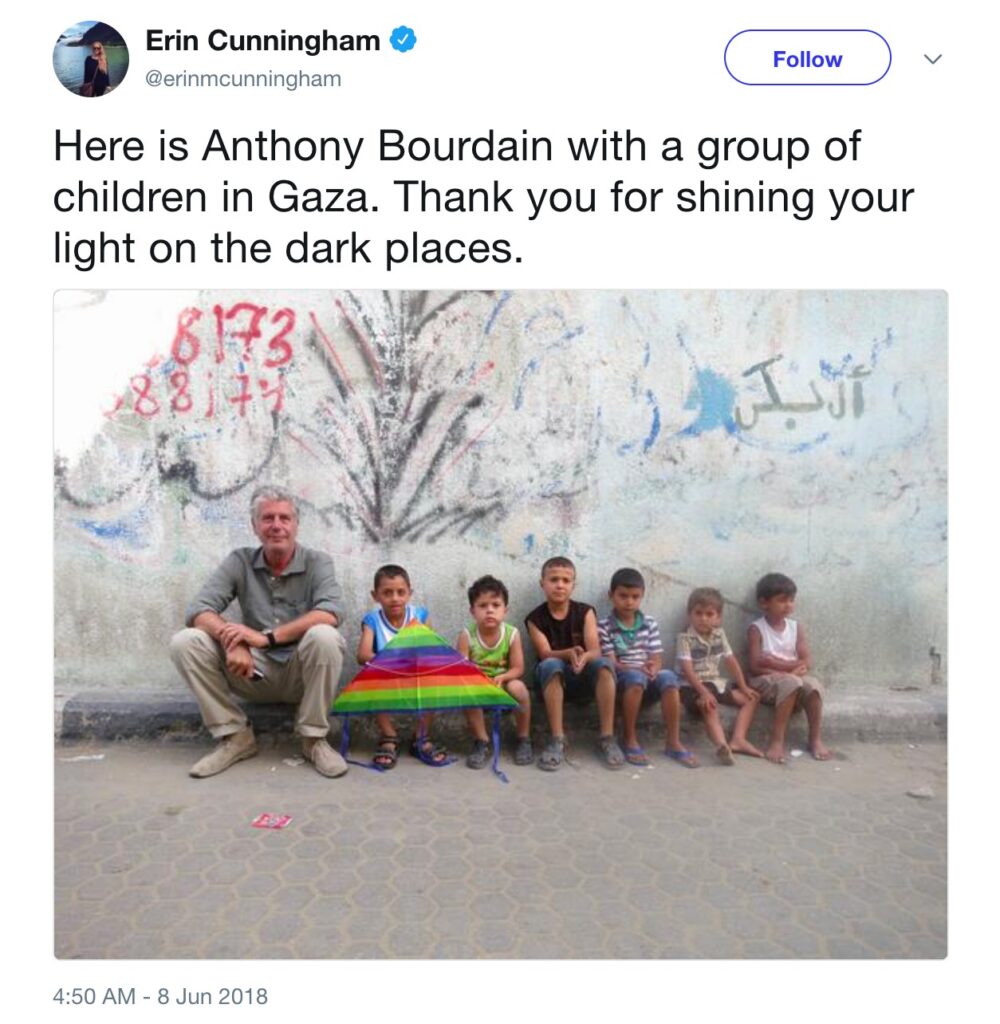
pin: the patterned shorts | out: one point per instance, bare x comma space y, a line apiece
777, 687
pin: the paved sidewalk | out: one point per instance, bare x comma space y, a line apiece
807, 860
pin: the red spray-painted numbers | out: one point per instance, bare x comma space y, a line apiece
263, 338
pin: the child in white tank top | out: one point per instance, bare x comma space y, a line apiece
779, 666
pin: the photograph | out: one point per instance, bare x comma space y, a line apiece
90, 59
654, 580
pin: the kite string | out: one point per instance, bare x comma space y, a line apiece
345, 742
496, 746
417, 675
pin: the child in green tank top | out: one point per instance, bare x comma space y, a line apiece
494, 646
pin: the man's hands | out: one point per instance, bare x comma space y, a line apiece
236, 640
239, 661
233, 634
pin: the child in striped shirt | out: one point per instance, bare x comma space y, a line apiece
630, 640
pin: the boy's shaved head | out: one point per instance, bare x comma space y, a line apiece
558, 562
391, 572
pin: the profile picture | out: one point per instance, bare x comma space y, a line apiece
90, 59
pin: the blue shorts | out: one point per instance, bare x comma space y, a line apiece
659, 684
578, 685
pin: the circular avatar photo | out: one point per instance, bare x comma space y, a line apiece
90, 58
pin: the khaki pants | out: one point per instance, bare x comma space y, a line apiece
309, 679
776, 687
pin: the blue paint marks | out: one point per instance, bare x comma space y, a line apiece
831, 371
647, 352
120, 531
745, 437
719, 532
654, 429
529, 543
568, 334
214, 511
496, 311
714, 398
528, 371
807, 446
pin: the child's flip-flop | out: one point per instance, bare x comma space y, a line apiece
636, 756
684, 757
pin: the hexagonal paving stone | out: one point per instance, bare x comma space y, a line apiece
260, 884
494, 938
583, 863
227, 872
877, 937
451, 867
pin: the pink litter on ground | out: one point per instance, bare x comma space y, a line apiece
271, 820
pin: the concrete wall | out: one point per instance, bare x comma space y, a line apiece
703, 437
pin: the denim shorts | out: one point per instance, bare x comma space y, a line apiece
575, 684
659, 684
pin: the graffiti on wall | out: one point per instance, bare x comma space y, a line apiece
421, 416
378, 410
792, 409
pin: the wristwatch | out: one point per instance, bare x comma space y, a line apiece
271, 642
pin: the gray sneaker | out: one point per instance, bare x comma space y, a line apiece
237, 747
324, 758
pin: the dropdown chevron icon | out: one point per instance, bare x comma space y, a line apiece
933, 60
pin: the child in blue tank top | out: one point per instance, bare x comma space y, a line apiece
392, 591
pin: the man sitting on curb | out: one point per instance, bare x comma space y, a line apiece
287, 649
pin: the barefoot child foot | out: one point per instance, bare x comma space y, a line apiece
745, 747
702, 650
779, 666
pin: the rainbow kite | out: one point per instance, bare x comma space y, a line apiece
415, 672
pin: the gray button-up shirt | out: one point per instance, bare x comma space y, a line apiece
266, 601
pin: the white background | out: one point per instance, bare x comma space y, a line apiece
554, 69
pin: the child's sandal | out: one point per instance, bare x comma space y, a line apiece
553, 754
480, 756
524, 752
424, 749
387, 753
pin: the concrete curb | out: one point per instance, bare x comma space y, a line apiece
156, 714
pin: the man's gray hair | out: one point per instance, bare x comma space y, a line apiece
270, 492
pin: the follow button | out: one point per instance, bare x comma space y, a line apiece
808, 56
